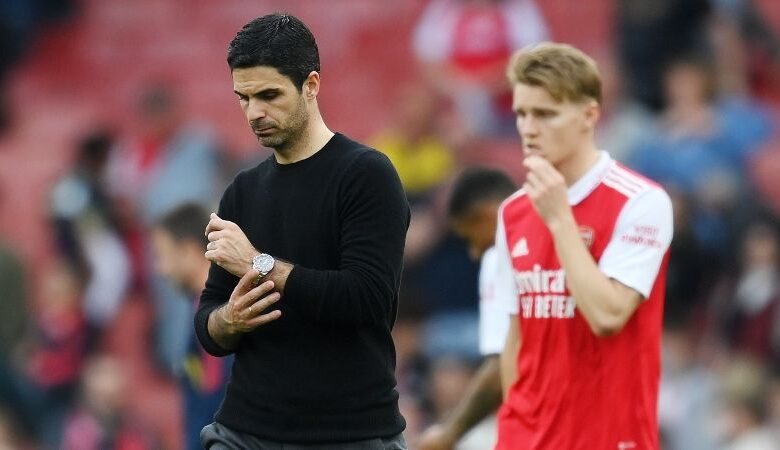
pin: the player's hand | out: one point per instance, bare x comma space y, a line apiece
547, 190
245, 309
228, 246
436, 438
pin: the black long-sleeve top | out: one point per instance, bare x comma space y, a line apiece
323, 371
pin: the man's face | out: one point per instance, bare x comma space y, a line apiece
273, 106
478, 227
171, 259
551, 129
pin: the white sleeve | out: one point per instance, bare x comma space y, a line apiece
639, 241
526, 23
493, 317
432, 37
505, 287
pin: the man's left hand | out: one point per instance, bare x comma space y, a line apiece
547, 190
228, 246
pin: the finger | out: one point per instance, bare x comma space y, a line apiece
216, 223
265, 318
529, 190
261, 305
212, 245
216, 235
533, 180
211, 255
245, 283
255, 293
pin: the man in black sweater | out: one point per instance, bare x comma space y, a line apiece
307, 252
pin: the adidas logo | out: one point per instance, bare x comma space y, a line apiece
520, 249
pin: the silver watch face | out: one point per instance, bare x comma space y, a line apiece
263, 263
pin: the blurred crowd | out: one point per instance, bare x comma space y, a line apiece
691, 95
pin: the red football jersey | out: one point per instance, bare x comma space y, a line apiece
576, 390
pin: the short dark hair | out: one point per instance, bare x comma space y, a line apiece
475, 185
186, 222
277, 40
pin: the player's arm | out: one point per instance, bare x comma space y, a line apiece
606, 304
483, 396
608, 293
509, 356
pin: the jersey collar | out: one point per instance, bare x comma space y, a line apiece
588, 182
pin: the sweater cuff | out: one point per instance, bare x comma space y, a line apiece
202, 331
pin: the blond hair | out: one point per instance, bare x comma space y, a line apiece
565, 72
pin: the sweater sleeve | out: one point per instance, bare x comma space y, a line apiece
219, 286
374, 219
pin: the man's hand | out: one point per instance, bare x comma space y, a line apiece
546, 188
436, 437
228, 246
244, 311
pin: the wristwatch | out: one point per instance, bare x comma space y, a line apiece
263, 263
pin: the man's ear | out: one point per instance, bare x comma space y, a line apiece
311, 86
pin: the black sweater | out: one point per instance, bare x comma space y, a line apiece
323, 371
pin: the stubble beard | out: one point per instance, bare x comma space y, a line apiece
288, 134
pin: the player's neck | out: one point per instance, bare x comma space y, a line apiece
576, 166
312, 139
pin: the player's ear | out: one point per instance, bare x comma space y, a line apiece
592, 113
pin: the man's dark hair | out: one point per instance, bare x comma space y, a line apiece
186, 222
277, 40
476, 185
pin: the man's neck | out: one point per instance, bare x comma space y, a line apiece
311, 140
578, 164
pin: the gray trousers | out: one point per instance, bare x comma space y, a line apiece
219, 437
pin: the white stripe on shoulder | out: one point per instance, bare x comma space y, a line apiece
620, 187
628, 186
628, 175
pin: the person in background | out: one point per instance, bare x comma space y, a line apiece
179, 245
473, 210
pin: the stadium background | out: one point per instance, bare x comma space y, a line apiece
99, 68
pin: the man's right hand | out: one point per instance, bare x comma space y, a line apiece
245, 310
436, 437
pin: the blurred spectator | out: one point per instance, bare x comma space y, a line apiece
100, 421
13, 300
20, 21
623, 122
744, 419
179, 245
747, 50
695, 150
41, 387
87, 231
688, 392
464, 46
415, 145
168, 163
650, 35
691, 268
749, 312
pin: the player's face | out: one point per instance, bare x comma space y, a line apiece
478, 228
275, 109
551, 129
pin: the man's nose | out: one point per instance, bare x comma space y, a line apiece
255, 110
